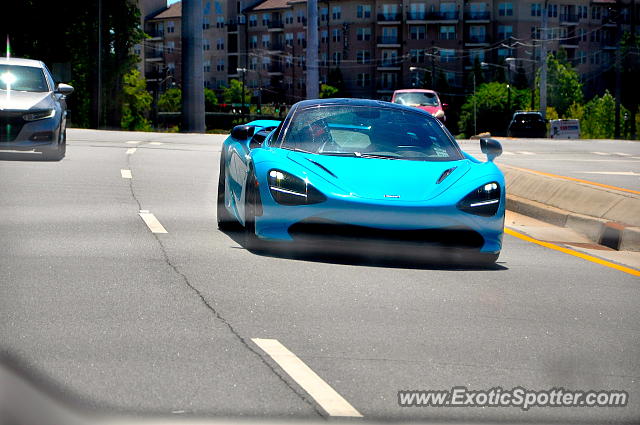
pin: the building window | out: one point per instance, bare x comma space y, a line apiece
220, 65
536, 34
505, 31
447, 32
364, 11
476, 56
363, 56
552, 10
288, 39
171, 68
596, 12
389, 58
596, 58
363, 34
417, 11
220, 22
536, 9
253, 42
324, 36
364, 79
288, 17
336, 13
265, 63
301, 39
505, 9
324, 14
205, 23
388, 80
478, 34
336, 35
207, 66
266, 41
417, 55
253, 63
337, 58
266, 18
171, 45
583, 34
583, 12
390, 12
447, 55
220, 44
171, 26
253, 20
301, 17
581, 58
206, 44
417, 32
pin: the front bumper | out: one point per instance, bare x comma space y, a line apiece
413, 224
20, 135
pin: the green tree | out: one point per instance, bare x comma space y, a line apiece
327, 91
137, 102
563, 84
171, 100
233, 93
597, 117
210, 99
492, 112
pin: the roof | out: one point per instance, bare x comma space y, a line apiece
270, 5
414, 91
173, 11
20, 62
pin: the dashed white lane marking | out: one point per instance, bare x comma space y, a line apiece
155, 143
508, 153
526, 153
133, 142
126, 174
332, 402
635, 157
622, 154
600, 153
152, 222
613, 173
131, 151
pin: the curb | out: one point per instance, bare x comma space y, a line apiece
607, 217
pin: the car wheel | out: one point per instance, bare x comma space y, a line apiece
59, 152
251, 240
225, 220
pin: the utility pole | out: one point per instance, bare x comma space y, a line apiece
543, 58
312, 50
99, 93
475, 129
618, 68
192, 71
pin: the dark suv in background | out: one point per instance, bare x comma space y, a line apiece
527, 124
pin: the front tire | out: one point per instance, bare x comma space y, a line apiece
59, 152
252, 242
225, 219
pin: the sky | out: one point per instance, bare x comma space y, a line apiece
169, 2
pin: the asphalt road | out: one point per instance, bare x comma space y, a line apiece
610, 162
123, 319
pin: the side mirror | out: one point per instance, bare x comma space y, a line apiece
64, 89
242, 132
490, 147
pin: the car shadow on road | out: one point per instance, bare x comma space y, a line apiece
355, 253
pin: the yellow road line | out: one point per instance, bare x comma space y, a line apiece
577, 180
332, 402
569, 251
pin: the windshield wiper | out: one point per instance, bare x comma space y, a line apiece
331, 153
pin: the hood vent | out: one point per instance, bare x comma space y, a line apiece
321, 166
445, 174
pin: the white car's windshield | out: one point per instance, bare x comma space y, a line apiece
22, 78
416, 99
369, 132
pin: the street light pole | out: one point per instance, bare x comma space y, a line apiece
243, 71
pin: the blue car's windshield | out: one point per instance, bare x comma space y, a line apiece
22, 78
369, 132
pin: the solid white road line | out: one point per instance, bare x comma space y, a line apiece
332, 402
508, 153
155, 143
612, 173
526, 153
600, 153
133, 142
126, 174
131, 151
152, 222
622, 154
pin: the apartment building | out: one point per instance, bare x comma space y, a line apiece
382, 45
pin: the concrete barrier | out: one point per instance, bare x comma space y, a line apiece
605, 215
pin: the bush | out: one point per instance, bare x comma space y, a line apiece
137, 102
597, 117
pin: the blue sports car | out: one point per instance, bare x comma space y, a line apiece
361, 170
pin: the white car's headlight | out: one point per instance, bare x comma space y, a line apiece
39, 115
439, 114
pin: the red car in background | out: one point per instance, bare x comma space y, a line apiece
427, 100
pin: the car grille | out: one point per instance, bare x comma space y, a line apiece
445, 237
10, 125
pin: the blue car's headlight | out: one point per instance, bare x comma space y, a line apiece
39, 115
287, 189
483, 201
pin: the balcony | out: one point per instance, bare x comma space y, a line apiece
477, 39
156, 35
437, 17
477, 16
416, 16
387, 18
154, 56
569, 19
275, 25
388, 40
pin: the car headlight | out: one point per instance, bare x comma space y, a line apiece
483, 201
439, 114
39, 115
287, 189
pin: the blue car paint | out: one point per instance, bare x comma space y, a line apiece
355, 195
